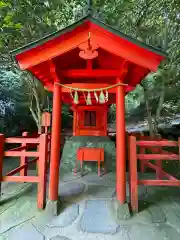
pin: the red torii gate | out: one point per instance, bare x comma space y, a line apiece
88, 56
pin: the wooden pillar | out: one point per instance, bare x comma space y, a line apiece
55, 144
23, 159
133, 174
120, 144
42, 170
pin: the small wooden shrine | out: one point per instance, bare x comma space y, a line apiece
89, 65
90, 120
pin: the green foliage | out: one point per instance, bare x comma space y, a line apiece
14, 113
157, 23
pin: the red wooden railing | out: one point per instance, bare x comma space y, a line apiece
158, 150
158, 154
41, 157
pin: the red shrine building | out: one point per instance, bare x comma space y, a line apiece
90, 66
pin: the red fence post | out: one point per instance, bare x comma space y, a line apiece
159, 163
159, 170
23, 172
142, 151
179, 147
143, 162
1, 157
133, 174
42, 168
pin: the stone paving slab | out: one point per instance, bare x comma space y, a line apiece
24, 209
93, 178
172, 214
142, 217
149, 232
6, 204
59, 238
71, 189
66, 217
27, 232
176, 201
170, 232
11, 188
70, 177
10, 194
96, 218
99, 191
74, 234
157, 213
68, 214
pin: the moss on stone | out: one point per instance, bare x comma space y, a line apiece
71, 146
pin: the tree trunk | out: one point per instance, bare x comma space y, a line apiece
36, 118
160, 106
149, 117
36, 103
149, 114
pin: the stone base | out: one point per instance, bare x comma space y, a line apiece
53, 208
68, 158
119, 211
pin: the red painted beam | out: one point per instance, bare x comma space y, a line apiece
157, 143
159, 182
20, 154
162, 172
18, 169
20, 179
89, 73
158, 157
19, 148
21, 140
103, 80
169, 176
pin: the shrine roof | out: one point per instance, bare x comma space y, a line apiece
115, 51
80, 22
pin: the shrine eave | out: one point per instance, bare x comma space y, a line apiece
80, 22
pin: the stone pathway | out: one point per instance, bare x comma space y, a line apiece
96, 218
87, 212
